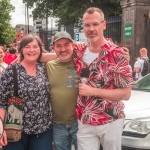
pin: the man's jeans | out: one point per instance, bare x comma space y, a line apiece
64, 135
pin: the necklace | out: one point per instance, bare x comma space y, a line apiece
29, 66
32, 68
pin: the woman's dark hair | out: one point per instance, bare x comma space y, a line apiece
12, 50
27, 39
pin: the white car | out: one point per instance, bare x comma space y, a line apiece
136, 131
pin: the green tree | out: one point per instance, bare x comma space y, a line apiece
70, 12
7, 33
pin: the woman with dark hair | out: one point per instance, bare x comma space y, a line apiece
33, 88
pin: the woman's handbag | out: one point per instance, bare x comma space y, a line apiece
13, 121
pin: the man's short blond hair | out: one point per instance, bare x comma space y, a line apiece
92, 10
143, 51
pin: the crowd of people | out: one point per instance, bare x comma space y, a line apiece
59, 107
7, 56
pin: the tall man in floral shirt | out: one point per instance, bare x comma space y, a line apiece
100, 113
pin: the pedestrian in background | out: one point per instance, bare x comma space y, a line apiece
10, 56
100, 110
22, 33
3, 65
138, 66
33, 88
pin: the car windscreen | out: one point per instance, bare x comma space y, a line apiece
143, 84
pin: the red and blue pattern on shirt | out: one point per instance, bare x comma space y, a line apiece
108, 71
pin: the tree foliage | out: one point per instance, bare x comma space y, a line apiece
7, 33
70, 11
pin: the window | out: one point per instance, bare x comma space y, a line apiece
38, 22
39, 27
17, 26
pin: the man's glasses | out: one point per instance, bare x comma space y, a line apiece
94, 25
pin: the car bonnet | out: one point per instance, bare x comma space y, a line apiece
138, 105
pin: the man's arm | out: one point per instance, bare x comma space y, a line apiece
79, 45
44, 58
137, 69
3, 140
47, 57
51, 56
126, 53
110, 94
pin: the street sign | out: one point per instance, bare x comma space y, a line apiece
128, 31
80, 37
77, 37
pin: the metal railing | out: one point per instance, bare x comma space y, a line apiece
113, 28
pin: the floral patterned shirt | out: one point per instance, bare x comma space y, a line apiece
34, 90
110, 70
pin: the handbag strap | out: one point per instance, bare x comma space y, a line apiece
15, 80
16, 94
2, 67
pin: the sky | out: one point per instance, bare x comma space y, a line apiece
18, 16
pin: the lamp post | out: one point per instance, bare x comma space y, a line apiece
28, 17
25, 19
51, 25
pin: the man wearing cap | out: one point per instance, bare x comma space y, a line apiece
64, 82
64, 90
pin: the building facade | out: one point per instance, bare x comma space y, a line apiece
39, 24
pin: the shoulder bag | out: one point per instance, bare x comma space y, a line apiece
14, 117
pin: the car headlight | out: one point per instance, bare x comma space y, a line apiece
139, 127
